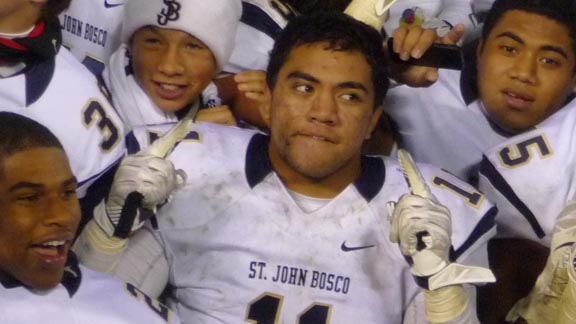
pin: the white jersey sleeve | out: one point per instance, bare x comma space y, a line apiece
259, 25
532, 176
83, 297
65, 97
91, 31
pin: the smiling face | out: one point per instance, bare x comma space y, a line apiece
525, 70
322, 110
171, 66
39, 214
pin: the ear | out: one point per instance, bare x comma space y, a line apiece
378, 111
265, 106
479, 48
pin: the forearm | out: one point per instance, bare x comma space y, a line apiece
139, 260
451, 305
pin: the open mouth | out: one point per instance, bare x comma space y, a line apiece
518, 101
169, 91
52, 252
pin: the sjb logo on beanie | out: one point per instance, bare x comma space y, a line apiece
170, 13
213, 22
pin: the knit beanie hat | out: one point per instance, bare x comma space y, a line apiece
213, 22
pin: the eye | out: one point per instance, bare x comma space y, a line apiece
507, 49
552, 62
194, 46
70, 193
350, 97
29, 198
304, 88
152, 41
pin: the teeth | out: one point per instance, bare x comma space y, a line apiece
318, 138
168, 86
54, 243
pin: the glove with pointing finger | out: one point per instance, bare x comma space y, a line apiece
422, 227
141, 183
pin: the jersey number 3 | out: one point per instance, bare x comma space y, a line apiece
94, 112
266, 310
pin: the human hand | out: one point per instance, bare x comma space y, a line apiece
413, 42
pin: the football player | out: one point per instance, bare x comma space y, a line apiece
452, 122
43, 81
522, 120
295, 226
40, 279
531, 175
170, 52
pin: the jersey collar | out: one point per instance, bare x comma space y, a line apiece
70, 280
258, 166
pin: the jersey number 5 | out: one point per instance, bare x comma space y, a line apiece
521, 153
266, 310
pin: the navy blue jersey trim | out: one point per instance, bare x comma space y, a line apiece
255, 17
71, 278
489, 171
112, 165
258, 164
132, 145
372, 177
38, 78
483, 227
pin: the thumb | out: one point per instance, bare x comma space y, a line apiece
454, 35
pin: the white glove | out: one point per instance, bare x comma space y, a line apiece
422, 227
370, 12
541, 305
567, 306
141, 183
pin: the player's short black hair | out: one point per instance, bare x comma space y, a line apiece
561, 11
342, 33
19, 133
53, 8
306, 7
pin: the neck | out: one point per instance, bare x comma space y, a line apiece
323, 187
20, 21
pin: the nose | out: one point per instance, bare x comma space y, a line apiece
525, 69
324, 108
170, 62
62, 212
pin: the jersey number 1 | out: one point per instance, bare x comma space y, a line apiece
266, 310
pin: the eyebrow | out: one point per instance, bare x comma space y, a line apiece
302, 75
37, 186
551, 48
342, 85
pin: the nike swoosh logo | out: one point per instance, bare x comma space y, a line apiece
346, 248
112, 5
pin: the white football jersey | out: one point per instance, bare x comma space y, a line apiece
259, 25
437, 126
66, 98
83, 297
91, 30
241, 249
531, 176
